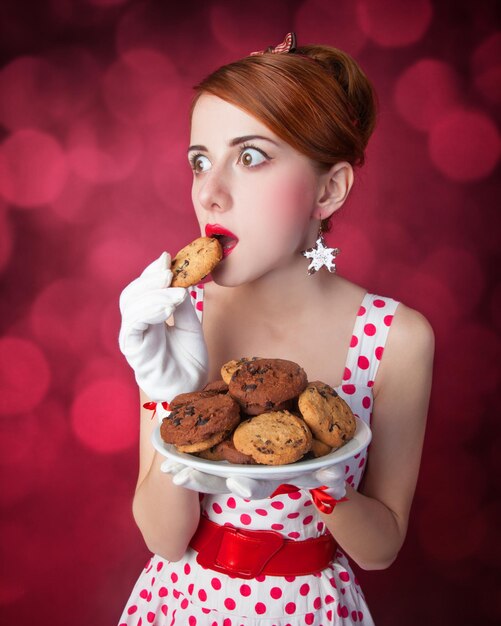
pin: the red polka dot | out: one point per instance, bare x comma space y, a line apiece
308, 519
230, 604
290, 579
379, 303
245, 519
132, 609
333, 582
328, 599
362, 462
260, 608
361, 311
290, 608
174, 577
379, 352
294, 495
308, 618
187, 568
317, 603
185, 603
150, 617
363, 362
277, 504
202, 595
293, 515
217, 508
215, 583
192, 621
293, 535
320, 526
304, 589
159, 566
245, 590
370, 330
347, 374
349, 389
262, 512
193, 294
366, 402
342, 611
162, 592
227, 621
191, 586
360, 615
354, 616
277, 526
344, 576
260, 578
275, 593
354, 341
200, 306
163, 608
370, 383
388, 320
231, 503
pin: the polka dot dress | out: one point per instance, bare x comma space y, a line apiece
183, 593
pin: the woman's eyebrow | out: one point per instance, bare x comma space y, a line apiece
235, 142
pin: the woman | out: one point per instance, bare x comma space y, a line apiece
275, 138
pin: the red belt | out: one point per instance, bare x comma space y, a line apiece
247, 553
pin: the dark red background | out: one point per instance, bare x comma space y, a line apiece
94, 184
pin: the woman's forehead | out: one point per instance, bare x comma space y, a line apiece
216, 119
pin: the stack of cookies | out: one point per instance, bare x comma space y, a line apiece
261, 411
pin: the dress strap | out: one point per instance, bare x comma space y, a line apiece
372, 325
197, 299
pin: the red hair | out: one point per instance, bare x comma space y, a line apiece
325, 109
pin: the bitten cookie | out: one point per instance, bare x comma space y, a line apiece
274, 438
267, 385
200, 424
328, 416
229, 368
193, 262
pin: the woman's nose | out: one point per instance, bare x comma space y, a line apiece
214, 193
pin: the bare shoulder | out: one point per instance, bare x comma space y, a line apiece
410, 346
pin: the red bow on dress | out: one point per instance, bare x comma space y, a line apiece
323, 501
152, 406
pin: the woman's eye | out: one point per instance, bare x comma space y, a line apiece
200, 163
251, 157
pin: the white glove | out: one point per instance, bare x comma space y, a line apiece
333, 477
167, 360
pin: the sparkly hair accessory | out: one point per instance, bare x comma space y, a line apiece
287, 45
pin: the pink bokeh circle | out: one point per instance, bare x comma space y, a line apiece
465, 145
142, 87
263, 25
33, 168
425, 92
333, 23
486, 67
393, 23
105, 414
24, 375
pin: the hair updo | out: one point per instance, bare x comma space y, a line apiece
317, 99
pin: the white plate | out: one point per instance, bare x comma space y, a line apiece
359, 442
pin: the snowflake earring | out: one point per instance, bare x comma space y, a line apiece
320, 255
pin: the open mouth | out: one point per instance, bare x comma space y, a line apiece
225, 237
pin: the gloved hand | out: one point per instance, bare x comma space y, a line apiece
167, 360
332, 477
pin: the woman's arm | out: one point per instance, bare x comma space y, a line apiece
166, 515
371, 526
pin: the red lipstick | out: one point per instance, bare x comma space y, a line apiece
225, 237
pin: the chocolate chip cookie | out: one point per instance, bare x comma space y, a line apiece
201, 423
226, 451
193, 262
229, 368
274, 438
328, 416
267, 385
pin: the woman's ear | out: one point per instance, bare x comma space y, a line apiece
334, 187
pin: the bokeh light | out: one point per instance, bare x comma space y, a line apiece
465, 145
392, 23
425, 92
104, 415
332, 22
24, 375
486, 67
33, 168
